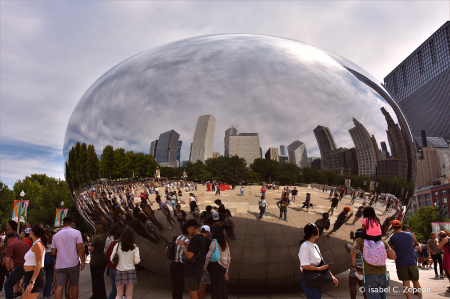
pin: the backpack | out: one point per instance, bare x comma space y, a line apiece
172, 249
374, 253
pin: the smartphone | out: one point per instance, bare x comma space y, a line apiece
330, 263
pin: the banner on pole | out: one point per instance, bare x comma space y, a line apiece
23, 212
184, 174
157, 173
372, 185
60, 213
377, 184
365, 183
348, 182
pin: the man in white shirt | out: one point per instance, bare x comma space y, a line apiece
242, 190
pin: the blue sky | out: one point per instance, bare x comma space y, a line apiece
51, 52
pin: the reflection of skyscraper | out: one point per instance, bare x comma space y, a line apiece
420, 85
326, 145
367, 156
166, 152
153, 146
315, 164
216, 154
283, 151
179, 144
272, 154
244, 145
202, 146
383, 146
190, 154
284, 159
230, 132
297, 154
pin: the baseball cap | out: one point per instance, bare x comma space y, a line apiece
396, 224
27, 230
10, 235
215, 216
347, 209
205, 228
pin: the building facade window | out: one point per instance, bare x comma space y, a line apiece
428, 203
444, 200
420, 196
435, 194
421, 204
428, 195
443, 192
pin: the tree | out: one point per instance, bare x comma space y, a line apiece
107, 162
251, 176
420, 222
287, 177
7, 198
269, 170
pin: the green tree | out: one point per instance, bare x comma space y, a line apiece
420, 222
107, 162
269, 170
92, 163
7, 198
251, 176
288, 177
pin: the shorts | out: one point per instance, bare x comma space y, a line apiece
408, 273
40, 281
191, 283
358, 215
73, 274
423, 253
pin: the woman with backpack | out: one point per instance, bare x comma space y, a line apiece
219, 256
128, 256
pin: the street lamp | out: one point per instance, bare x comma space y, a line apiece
22, 194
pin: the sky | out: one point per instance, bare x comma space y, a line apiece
52, 52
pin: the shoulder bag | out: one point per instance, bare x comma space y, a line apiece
115, 255
317, 279
216, 254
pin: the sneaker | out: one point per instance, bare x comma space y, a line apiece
170, 227
436, 276
442, 276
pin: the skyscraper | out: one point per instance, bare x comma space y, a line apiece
297, 154
326, 145
216, 154
383, 146
272, 154
202, 146
283, 151
230, 132
166, 152
365, 151
179, 144
421, 85
244, 145
153, 146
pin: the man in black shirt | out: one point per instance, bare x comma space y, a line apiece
334, 204
341, 219
196, 254
294, 193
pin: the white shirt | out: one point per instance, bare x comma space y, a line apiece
308, 255
192, 198
127, 259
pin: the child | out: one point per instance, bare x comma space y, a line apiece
370, 225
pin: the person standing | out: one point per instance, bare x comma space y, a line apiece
334, 205
128, 253
98, 262
242, 190
262, 203
196, 255
311, 260
14, 257
112, 268
435, 254
34, 277
354, 277
295, 192
283, 205
444, 243
11, 226
219, 269
263, 191
177, 266
180, 215
68, 247
165, 209
403, 245
307, 201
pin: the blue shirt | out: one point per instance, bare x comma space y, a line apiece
403, 245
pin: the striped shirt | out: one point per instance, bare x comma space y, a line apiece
179, 253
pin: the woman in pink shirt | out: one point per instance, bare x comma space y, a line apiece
371, 227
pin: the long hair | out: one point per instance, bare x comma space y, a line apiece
100, 231
217, 233
308, 230
127, 239
372, 219
39, 231
49, 235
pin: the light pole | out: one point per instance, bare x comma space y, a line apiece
22, 194
60, 214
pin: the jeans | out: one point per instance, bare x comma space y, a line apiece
283, 212
437, 258
263, 193
177, 273
261, 212
372, 285
353, 200
49, 263
311, 293
13, 278
98, 282
242, 193
112, 276
182, 222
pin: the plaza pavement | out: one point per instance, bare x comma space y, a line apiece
246, 207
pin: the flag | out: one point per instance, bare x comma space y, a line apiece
63, 214
372, 185
23, 212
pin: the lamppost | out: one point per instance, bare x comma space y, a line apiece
22, 194
60, 214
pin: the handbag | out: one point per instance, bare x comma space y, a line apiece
216, 254
115, 259
317, 279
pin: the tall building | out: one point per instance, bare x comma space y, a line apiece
283, 151
421, 85
284, 159
326, 145
297, 154
272, 154
166, 152
351, 160
365, 150
216, 154
244, 145
384, 147
190, 153
202, 146
230, 132
153, 146
399, 151
316, 164
179, 144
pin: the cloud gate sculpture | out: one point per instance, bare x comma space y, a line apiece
284, 90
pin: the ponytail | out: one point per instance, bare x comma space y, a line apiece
39, 231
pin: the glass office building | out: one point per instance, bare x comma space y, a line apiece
166, 151
421, 85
